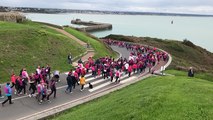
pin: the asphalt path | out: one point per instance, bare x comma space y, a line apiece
24, 106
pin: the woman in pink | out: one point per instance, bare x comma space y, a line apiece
93, 71
117, 76
83, 71
20, 85
130, 70
87, 67
134, 67
25, 76
76, 77
13, 80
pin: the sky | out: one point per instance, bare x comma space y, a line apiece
168, 6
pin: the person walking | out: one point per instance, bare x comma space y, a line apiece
8, 93
130, 70
43, 92
117, 76
111, 73
69, 57
74, 80
25, 78
21, 85
32, 85
13, 80
39, 90
47, 70
53, 89
82, 82
69, 83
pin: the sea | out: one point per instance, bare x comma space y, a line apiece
198, 30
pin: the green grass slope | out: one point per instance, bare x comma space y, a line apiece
101, 50
185, 54
31, 44
162, 98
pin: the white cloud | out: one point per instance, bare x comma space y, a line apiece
180, 6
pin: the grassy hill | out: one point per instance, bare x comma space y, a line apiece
185, 54
100, 48
32, 44
164, 98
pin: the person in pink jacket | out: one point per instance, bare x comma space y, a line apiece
135, 67
130, 70
117, 76
13, 80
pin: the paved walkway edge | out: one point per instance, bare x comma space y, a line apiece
57, 109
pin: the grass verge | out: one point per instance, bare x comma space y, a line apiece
31, 44
163, 98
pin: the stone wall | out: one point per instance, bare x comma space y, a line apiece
91, 26
12, 17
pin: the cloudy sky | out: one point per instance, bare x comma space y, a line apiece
177, 6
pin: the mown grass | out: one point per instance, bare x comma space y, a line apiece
31, 44
162, 98
100, 49
200, 75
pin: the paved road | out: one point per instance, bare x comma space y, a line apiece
25, 106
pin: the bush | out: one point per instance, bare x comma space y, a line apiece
188, 43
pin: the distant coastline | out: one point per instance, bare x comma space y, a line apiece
57, 11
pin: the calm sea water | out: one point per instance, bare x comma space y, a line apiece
199, 30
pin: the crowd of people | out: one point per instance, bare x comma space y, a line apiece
108, 68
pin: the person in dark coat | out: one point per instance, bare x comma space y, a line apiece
191, 72
69, 58
69, 83
53, 88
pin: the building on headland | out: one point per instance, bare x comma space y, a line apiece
16, 17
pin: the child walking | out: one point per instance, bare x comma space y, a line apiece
8, 93
82, 82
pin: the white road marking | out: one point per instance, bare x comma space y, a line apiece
89, 79
128, 79
87, 85
105, 84
100, 86
96, 82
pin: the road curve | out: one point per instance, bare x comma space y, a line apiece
28, 108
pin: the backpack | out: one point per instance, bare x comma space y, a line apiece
6, 90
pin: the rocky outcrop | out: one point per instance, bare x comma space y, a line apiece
12, 17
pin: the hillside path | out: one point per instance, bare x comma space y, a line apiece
90, 51
69, 35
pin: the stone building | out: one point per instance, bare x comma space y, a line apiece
12, 17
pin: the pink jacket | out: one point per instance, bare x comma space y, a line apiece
13, 78
39, 88
24, 74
